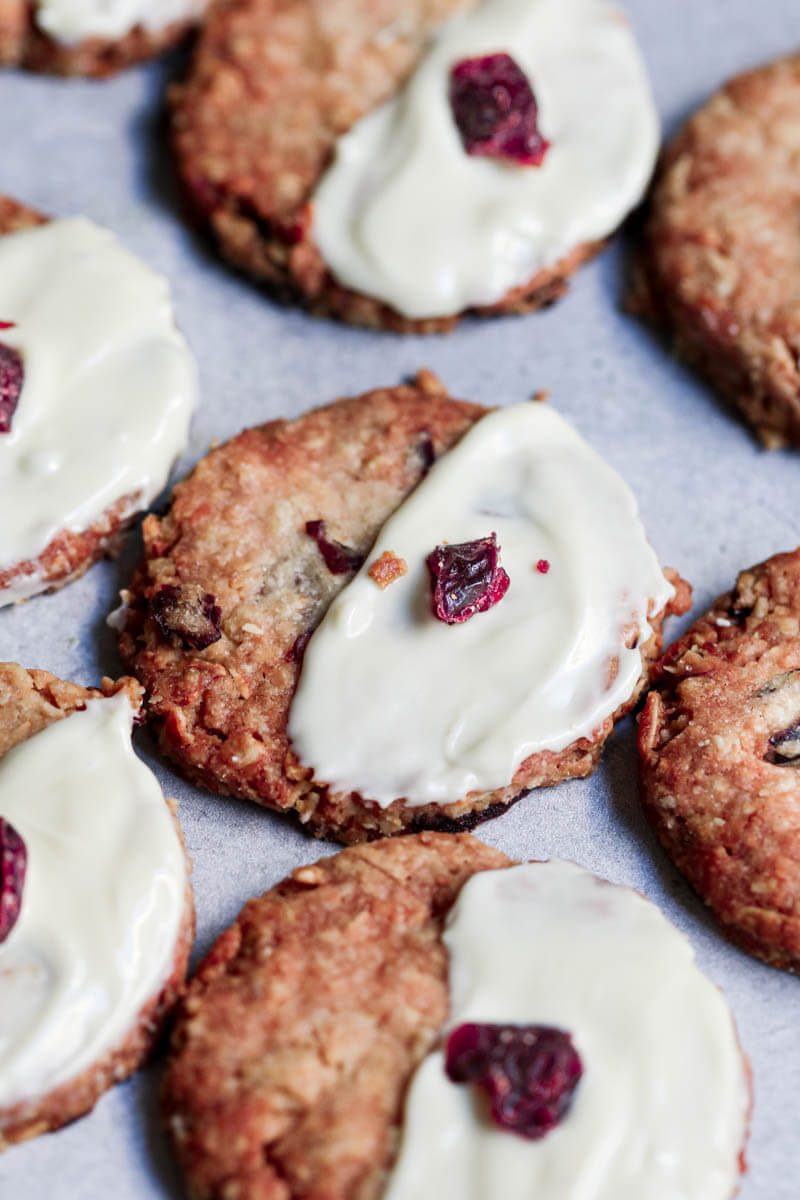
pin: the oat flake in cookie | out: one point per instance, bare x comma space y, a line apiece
92, 854
719, 740
264, 540
97, 387
309, 1055
720, 261
364, 185
91, 37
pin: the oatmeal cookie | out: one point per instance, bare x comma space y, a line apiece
719, 739
75, 876
720, 261
58, 477
258, 543
258, 130
307, 1057
26, 40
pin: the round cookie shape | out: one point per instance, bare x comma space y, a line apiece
726, 294
325, 190
102, 396
91, 37
236, 547
308, 1050
98, 953
717, 742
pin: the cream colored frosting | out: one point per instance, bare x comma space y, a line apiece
661, 1109
108, 389
405, 215
394, 703
70, 21
102, 903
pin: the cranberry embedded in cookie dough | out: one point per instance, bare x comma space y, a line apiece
13, 864
495, 110
187, 615
11, 374
466, 579
529, 1071
339, 559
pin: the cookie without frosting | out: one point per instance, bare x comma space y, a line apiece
720, 261
50, 1076
719, 738
217, 618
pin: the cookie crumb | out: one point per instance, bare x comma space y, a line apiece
429, 382
387, 568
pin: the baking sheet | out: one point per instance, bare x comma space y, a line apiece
712, 501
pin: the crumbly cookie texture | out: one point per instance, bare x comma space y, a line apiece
29, 702
236, 532
302, 76
301, 1093
727, 292
23, 44
719, 740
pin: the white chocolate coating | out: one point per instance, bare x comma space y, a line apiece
404, 214
102, 903
70, 21
108, 389
661, 1109
394, 703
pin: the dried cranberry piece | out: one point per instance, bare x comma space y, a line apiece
495, 110
7, 324
186, 615
543, 566
13, 864
339, 559
466, 579
11, 374
529, 1071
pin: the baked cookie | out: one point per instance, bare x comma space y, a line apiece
719, 738
96, 390
308, 1057
396, 164
91, 37
408, 719
720, 259
96, 915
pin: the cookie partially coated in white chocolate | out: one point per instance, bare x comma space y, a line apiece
96, 915
91, 37
97, 387
322, 1014
404, 164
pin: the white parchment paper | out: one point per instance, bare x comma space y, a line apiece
712, 501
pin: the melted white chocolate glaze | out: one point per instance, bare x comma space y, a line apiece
404, 214
108, 389
70, 21
661, 1109
394, 703
102, 903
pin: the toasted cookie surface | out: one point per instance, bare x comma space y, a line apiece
308, 1049
93, 862
96, 389
274, 87
718, 741
725, 288
233, 584
85, 37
